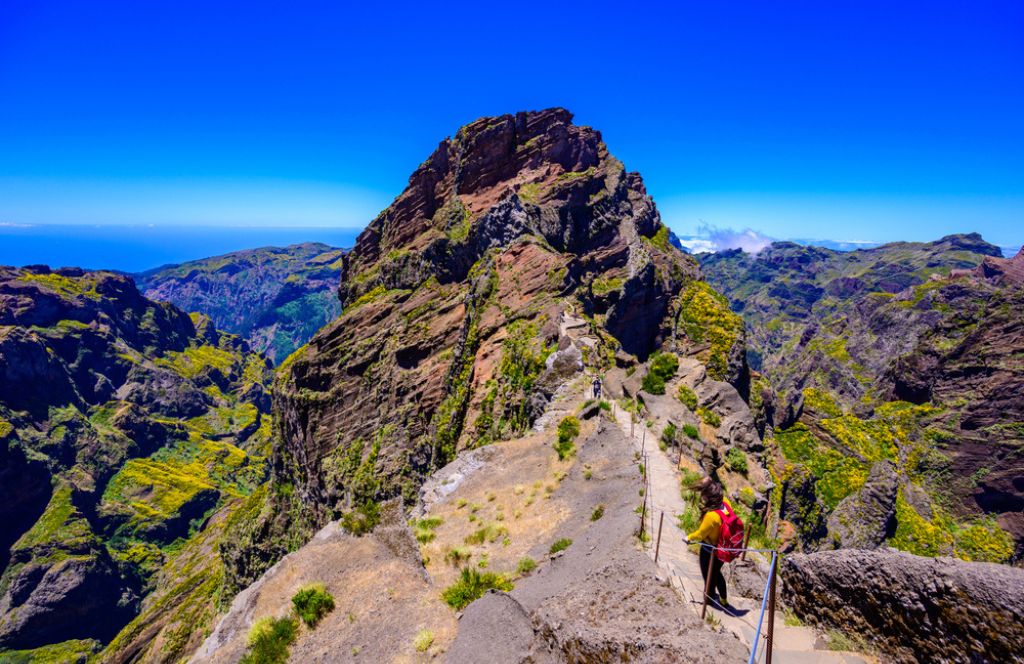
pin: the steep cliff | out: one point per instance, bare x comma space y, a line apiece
908, 352
456, 304
123, 424
274, 297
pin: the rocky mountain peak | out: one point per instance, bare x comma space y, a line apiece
469, 173
497, 179
520, 252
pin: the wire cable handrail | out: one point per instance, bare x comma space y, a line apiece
764, 602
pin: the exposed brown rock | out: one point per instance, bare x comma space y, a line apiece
511, 221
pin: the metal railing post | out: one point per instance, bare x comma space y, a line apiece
657, 547
771, 608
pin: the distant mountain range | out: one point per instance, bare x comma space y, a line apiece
696, 244
908, 352
276, 297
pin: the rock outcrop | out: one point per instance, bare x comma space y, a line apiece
914, 609
453, 299
274, 297
864, 520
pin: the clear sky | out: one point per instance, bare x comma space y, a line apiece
852, 120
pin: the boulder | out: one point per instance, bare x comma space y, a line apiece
913, 609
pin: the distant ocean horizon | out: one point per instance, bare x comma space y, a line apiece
141, 248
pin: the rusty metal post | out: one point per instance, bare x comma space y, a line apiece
643, 440
707, 583
771, 608
746, 540
643, 517
657, 547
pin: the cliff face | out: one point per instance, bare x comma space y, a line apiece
120, 425
274, 297
457, 300
907, 352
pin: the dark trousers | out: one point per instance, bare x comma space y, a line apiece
708, 557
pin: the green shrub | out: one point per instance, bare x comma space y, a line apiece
653, 383
597, 513
472, 584
669, 434
560, 545
691, 431
568, 429
736, 460
663, 366
312, 603
709, 417
604, 405
526, 565
269, 640
688, 397
688, 478
363, 519
747, 496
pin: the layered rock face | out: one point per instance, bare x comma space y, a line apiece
457, 302
274, 297
908, 352
913, 609
120, 420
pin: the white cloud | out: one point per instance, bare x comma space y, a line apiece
748, 239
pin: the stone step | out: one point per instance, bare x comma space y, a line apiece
814, 657
794, 638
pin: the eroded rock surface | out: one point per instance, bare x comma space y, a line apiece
864, 520
914, 609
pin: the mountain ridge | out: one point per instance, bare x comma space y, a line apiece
275, 297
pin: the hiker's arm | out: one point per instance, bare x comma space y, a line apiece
707, 525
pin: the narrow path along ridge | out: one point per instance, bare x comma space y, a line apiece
792, 644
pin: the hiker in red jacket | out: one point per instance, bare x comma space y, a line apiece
717, 512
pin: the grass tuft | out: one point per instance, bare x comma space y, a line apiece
472, 584
525, 565
560, 545
424, 639
269, 640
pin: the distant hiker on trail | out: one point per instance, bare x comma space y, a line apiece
597, 387
718, 527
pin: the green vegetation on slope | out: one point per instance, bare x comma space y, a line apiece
704, 316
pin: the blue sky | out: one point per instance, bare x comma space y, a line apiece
841, 120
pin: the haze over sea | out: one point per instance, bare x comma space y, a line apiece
140, 248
